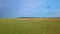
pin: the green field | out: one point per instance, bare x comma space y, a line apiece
16, 26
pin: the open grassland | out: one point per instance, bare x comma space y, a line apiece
30, 26
7, 26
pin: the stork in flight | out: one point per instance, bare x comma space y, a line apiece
48, 7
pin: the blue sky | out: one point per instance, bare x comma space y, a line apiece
29, 8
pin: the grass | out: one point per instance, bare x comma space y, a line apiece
7, 26
16, 26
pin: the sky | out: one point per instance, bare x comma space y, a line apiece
29, 8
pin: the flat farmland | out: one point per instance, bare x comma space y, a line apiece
7, 26
30, 26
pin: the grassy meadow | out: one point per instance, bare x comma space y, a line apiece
30, 26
